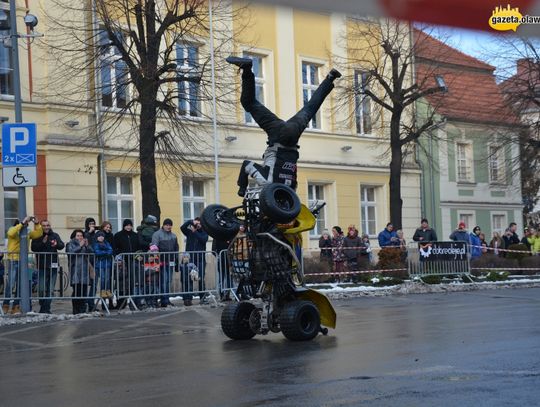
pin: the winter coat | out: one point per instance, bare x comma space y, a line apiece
474, 240
337, 251
510, 240
90, 236
353, 247
496, 244
427, 235
325, 245
104, 254
385, 238
534, 241
195, 240
126, 242
219, 245
109, 237
145, 233
526, 242
14, 239
79, 262
165, 241
43, 261
460, 236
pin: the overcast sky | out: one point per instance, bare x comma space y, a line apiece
479, 44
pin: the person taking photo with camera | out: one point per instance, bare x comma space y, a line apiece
14, 249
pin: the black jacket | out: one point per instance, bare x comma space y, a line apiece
219, 245
109, 237
195, 240
428, 235
125, 242
326, 249
509, 240
43, 261
145, 233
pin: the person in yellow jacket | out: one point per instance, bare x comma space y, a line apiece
534, 241
14, 249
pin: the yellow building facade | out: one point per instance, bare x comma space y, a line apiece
340, 157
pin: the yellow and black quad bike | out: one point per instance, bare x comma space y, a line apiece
266, 261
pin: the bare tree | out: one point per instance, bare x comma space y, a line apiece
148, 62
382, 55
520, 75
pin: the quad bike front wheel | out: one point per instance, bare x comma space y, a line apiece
279, 202
219, 222
300, 321
235, 320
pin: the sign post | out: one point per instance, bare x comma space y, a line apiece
21, 140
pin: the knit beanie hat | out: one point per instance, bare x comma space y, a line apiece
167, 222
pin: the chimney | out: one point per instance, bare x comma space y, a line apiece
524, 66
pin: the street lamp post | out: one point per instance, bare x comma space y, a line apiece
31, 22
24, 289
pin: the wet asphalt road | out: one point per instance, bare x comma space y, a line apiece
460, 349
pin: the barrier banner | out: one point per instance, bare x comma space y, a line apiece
443, 251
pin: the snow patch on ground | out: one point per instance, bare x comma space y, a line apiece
334, 292
410, 287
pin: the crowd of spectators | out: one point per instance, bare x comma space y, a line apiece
146, 260
344, 252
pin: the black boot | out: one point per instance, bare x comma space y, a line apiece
240, 62
243, 180
334, 74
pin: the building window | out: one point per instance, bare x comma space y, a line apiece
187, 60
468, 218
441, 83
114, 74
310, 82
11, 202
316, 193
259, 81
362, 103
6, 64
498, 223
368, 211
120, 200
193, 201
464, 159
496, 164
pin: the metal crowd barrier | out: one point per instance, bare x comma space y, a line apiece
148, 279
141, 279
454, 258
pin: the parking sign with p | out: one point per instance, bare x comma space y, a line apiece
19, 145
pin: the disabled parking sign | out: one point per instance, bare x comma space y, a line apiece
19, 145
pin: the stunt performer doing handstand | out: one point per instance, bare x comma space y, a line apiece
281, 155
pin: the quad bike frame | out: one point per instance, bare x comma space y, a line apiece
266, 262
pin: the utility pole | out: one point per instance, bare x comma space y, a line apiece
24, 286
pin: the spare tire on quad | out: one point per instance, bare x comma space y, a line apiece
235, 320
300, 321
219, 223
279, 202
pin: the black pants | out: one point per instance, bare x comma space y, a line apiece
287, 132
79, 305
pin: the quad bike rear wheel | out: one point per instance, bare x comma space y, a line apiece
219, 223
300, 321
235, 320
279, 202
